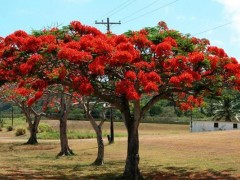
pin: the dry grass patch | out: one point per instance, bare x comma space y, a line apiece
166, 152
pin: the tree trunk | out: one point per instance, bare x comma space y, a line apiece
65, 107
132, 171
111, 128
100, 156
65, 150
98, 130
33, 131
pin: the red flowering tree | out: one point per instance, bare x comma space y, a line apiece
21, 97
121, 69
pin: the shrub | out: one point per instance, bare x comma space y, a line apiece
20, 131
9, 128
0, 128
44, 128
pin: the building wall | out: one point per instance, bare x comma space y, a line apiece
201, 126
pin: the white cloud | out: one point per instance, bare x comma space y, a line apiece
231, 11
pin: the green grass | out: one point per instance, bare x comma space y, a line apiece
72, 134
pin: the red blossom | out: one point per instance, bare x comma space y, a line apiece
39, 84
121, 57
131, 75
38, 95
51, 48
31, 43
185, 106
171, 41
174, 80
234, 68
23, 91
74, 56
214, 60
76, 25
97, 67
34, 59
151, 86
25, 68
120, 39
20, 33
31, 101
163, 25
141, 41
163, 49
82, 85
186, 78
144, 65
126, 87
196, 57
216, 51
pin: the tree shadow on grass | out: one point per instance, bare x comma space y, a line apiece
113, 171
189, 173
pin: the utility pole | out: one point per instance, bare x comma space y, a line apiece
108, 23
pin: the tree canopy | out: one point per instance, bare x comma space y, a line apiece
121, 69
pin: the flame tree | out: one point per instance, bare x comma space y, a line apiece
121, 69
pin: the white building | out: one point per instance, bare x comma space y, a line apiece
201, 126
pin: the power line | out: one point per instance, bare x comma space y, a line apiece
214, 28
130, 2
140, 9
116, 9
150, 12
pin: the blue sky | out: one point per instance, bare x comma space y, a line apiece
187, 16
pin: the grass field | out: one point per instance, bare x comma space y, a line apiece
166, 152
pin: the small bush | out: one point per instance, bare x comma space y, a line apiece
0, 129
9, 128
20, 131
44, 128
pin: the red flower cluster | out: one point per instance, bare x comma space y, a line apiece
39, 84
163, 49
195, 101
126, 87
145, 65
214, 60
23, 91
131, 75
83, 85
58, 73
25, 68
232, 68
196, 57
185, 106
186, 77
97, 66
81, 29
121, 57
216, 51
31, 43
174, 80
74, 56
149, 81
140, 41
163, 25
176, 64
32, 60
32, 100
171, 41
